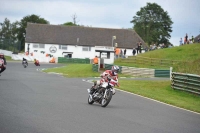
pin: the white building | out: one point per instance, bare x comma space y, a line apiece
78, 42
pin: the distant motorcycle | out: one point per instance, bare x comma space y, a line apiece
103, 94
36, 62
25, 64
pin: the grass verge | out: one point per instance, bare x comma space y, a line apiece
162, 91
8, 58
75, 70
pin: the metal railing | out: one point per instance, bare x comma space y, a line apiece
151, 61
186, 82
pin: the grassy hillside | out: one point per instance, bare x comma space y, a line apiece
183, 53
188, 55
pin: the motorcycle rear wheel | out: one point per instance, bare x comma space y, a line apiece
105, 101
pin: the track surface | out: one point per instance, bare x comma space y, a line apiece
35, 102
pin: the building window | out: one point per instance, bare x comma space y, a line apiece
86, 48
35, 46
63, 47
39, 46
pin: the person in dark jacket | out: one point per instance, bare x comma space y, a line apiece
134, 51
124, 52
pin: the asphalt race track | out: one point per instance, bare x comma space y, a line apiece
35, 102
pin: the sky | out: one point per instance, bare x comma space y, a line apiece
105, 13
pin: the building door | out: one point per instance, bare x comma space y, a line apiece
68, 55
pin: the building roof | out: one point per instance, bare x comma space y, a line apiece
78, 35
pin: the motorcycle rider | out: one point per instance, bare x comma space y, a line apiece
24, 60
5, 63
113, 74
36, 62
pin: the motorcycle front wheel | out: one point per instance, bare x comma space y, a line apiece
105, 101
90, 100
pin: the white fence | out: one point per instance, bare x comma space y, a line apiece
20, 56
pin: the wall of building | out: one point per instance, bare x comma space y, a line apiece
53, 49
76, 51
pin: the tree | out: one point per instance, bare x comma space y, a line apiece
153, 24
70, 24
23, 24
8, 34
8, 29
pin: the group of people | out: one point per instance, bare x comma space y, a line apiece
120, 53
159, 46
138, 49
186, 40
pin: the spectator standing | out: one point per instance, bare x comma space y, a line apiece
188, 41
137, 49
95, 60
186, 38
124, 52
134, 51
117, 52
181, 41
192, 39
121, 53
140, 47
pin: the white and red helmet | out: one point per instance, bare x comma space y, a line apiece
115, 70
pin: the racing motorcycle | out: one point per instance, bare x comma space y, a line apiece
25, 64
37, 63
103, 93
1, 63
